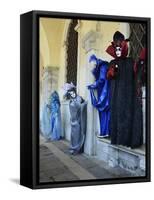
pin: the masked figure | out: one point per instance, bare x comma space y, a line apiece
78, 112
126, 111
140, 69
51, 122
55, 116
45, 122
101, 100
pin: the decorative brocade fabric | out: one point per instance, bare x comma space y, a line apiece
126, 111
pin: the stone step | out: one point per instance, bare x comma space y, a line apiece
132, 160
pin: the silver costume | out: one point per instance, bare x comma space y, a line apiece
78, 112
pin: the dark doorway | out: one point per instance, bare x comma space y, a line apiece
72, 47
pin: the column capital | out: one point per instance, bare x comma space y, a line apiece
78, 26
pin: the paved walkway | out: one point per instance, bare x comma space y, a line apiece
57, 164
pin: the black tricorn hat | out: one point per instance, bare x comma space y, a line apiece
118, 36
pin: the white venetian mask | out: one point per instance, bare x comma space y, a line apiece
118, 51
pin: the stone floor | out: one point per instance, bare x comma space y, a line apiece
57, 164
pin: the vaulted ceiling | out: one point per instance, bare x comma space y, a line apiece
51, 40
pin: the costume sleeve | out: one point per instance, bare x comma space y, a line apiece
101, 80
111, 71
93, 98
101, 102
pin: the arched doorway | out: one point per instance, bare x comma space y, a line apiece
72, 47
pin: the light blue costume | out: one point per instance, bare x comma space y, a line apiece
51, 118
101, 100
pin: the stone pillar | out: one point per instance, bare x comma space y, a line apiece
48, 85
90, 43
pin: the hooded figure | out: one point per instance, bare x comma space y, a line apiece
55, 116
126, 111
78, 120
51, 119
101, 100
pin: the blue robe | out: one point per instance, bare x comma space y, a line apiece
51, 119
101, 100
45, 125
55, 117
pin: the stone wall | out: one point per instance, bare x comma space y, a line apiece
126, 158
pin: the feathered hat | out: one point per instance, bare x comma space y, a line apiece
67, 87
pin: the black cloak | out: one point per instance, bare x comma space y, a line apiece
126, 110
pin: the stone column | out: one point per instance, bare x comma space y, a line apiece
90, 43
48, 84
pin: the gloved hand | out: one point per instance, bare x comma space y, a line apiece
112, 71
91, 87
